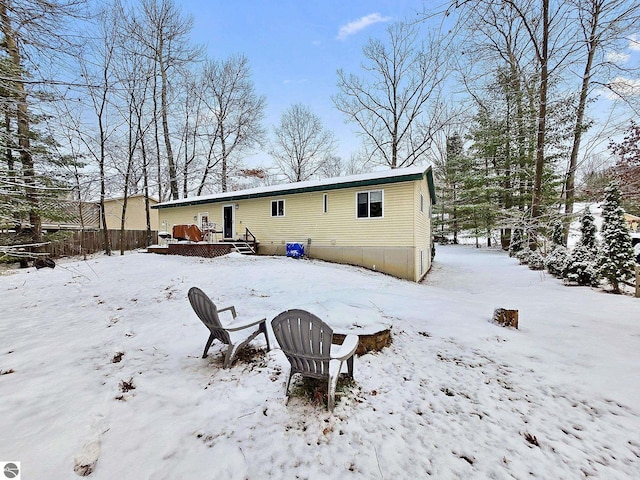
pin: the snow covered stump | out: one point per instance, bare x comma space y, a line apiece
373, 342
506, 318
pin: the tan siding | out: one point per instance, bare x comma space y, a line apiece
422, 231
392, 243
136, 218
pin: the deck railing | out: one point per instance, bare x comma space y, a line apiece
247, 235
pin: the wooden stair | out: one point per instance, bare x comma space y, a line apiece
243, 248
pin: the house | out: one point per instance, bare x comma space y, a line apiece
632, 222
380, 220
136, 218
69, 215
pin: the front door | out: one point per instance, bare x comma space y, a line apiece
227, 214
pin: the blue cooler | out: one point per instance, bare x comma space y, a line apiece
295, 250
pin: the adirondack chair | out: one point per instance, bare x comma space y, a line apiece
236, 334
307, 343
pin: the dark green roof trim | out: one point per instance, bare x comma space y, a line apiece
432, 187
315, 188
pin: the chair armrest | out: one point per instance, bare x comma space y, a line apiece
243, 323
346, 350
231, 308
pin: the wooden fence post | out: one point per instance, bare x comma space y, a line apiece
638, 281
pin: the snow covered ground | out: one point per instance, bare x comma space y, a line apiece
455, 396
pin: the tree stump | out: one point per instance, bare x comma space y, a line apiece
368, 343
506, 318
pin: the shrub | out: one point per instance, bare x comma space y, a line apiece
556, 260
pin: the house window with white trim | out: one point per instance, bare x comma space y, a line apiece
369, 204
277, 208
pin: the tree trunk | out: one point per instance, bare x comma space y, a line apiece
157, 137
577, 132
173, 180
24, 131
145, 182
536, 203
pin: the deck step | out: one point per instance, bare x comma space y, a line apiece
243, 248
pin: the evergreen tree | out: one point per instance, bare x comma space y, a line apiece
517, 242
581, 265
536, 260
616, 260
451, 174
556, 260
588, 231
557, 233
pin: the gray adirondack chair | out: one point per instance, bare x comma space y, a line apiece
236, 334
307, 343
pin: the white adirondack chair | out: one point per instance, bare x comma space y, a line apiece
307, 343
236, 334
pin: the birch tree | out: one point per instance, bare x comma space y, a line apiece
164, 32
235, 111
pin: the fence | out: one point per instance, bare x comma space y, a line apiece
79, 243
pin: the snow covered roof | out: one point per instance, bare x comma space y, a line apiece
360, 180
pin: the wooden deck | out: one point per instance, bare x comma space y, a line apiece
206, 250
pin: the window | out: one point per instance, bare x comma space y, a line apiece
325, 203
203, 220
369, 204
277, 208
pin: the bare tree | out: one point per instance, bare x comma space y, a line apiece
604, 25
164, 31
236, 114
395, 100
191, 129
134, 73
96, 70
301, 145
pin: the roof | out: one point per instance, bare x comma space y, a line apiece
121, 199
361, 180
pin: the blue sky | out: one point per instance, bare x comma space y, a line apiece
294, 47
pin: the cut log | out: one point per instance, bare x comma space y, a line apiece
368, 343
506, 318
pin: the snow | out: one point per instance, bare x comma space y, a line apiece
455, 396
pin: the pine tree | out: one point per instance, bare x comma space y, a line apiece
517, 242
557, 233
616, 262
581, 264
556, 260
588, 232
536, 260
451, 173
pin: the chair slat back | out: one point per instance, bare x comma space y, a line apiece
305, 340
208, 313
